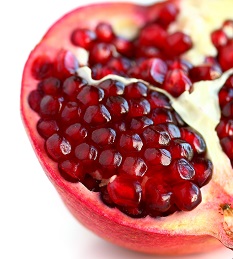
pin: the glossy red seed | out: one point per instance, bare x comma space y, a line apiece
57, 147
194, 138
70, 113
104, 32
158, 100
130, 142
49, 106
50, 86
34, 100
225, 56
112, 87
203, 171
160, 115
109, 159
103, 136
96, 115
219, 38
157, 157
71, 171
101, 53
171, 129
125, 191
119, 64
153, 35
225, 95
180, 169
177, 44
76, 133
182, 64
117, 105
72, 86
157, 197
179, 148
138, 107
138, 124
85, 152
155, 137
227, 145
205, 72
227, 110
148, 52
90, 95
47, 127
134, 166
42, 67
136, 90
83, 38
187, 196
176, 82
124, 47
225, 128
167, 14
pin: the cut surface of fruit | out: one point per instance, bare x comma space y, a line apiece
130, 115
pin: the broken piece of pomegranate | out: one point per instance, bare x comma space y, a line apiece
130, 113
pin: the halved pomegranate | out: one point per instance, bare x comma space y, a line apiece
129, 109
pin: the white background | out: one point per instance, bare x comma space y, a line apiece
34, 224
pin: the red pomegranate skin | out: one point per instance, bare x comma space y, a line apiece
181, 233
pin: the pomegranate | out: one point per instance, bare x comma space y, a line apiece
130, 113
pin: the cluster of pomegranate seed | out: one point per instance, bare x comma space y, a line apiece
124, 141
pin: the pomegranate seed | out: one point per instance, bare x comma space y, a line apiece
227, 110
148, 52
117, 105
49, 106
157, 157
134, 166
104, 32
159, 115
225, 128
130, 142
97, 115
136, 90
104, 195
34, 100
90, 95
225, 95
85, 152
153, 35
225, 56
138, 124
110, 159
176, 82
47, 127
70, 113
83, 38
112, 87
158, 100
101, 53
66, 64
42, 67
219, 38
124, 47
72, 86
76, 133
205, 72
171, 129
182, 64
157, 197
227, 145
57, 147
194, 139
120, 64
187, 196
180, 148
125, 191
177, 44
71, 171
203, 171
138, 107
103, 136
167, 14
154, 137
50, 86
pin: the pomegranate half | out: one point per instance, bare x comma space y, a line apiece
129, 109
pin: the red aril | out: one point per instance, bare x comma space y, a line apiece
133, 151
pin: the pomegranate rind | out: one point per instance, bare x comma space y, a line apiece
181, 233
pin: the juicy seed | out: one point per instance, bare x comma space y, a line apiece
83, 38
